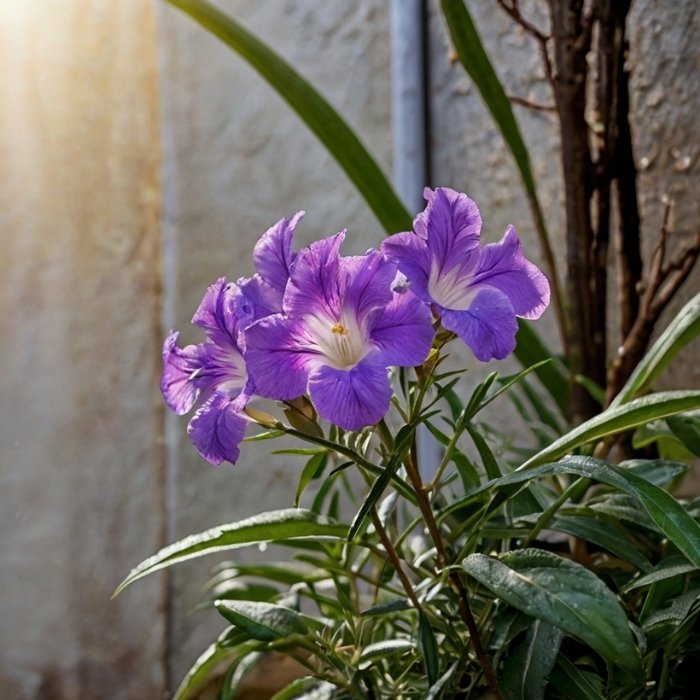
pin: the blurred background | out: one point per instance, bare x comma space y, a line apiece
140, 160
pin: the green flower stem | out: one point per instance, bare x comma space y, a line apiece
455, 578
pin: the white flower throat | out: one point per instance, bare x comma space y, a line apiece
450, 289
342, 341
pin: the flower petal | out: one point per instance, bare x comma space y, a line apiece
366, 282
264, 299
217, 429
403, 332
179, 367
314, 279
276, 360
503, 266
488, 326
412, 256
453, 226
351, 399
223, 312
273, 252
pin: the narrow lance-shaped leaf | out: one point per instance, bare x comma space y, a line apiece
684, 328
527, 669
262, 621
323, 120
618, 419
668, 514
564, 594
279, 525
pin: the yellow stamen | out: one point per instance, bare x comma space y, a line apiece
339, 329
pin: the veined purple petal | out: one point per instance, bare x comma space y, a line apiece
223, 312
403, 331
412, 256
314, 279
263, 298
488, 326
503, 266
278, 358
180, 365
453, 227
351, 399
273, 254
366, 282
217, 428
222, 368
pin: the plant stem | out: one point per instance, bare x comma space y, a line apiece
455, 579
394, 558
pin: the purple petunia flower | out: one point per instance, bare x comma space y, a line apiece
342, 327
273, 256
213, 372
477, 290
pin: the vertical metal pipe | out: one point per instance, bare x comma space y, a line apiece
408, 121
409, 129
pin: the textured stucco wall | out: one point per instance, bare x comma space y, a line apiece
80, 438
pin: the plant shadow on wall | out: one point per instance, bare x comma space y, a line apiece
548, 571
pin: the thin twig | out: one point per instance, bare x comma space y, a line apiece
514, 11
537, 106
394, 558
663, 281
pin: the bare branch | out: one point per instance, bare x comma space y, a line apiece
513, 9
537, 106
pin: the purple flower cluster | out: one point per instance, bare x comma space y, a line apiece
319, 324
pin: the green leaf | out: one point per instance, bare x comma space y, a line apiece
527, 668
281, 525
313, 469
380, 650
429, 648
202, 670
436, 689
608, 535
491, 467
684, 328
659, 472
401, 447
262, 621
530, 351
289, 572
564, 594
306, 688
668, 568
668, 514
391, 606
574, 683
617, 420
318, 115
687, 430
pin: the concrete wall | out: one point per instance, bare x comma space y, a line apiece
140, 160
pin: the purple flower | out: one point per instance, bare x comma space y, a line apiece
213, 373
477, 290
342, 327
273, 256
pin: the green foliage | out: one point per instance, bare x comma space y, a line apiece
548, 573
